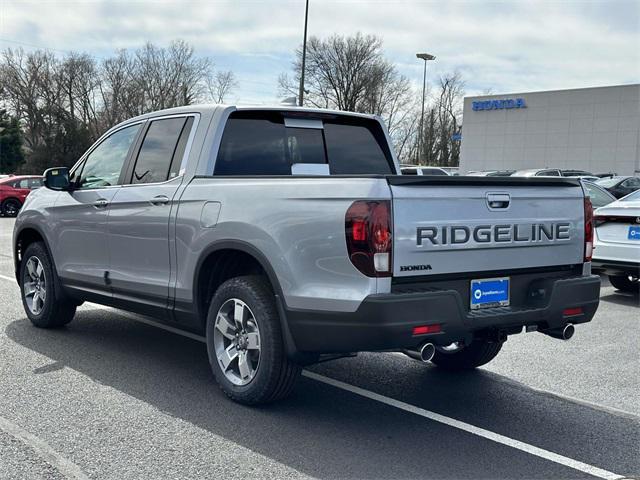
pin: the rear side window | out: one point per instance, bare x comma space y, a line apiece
259, 143
253, 146
158, 149
353, 149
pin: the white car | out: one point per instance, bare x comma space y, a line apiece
617, 242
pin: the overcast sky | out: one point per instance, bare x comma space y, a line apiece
509, 46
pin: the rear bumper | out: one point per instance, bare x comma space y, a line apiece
386, 321
615, 267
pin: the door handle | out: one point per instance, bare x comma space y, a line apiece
160, 200
101, 203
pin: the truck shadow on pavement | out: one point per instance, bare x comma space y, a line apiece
623, 299
326, 432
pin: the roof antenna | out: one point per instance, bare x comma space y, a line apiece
289, 101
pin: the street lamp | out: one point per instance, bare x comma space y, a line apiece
426, 57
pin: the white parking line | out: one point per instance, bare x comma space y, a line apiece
65, 466
452, 422
562, 396
481, 432
4, 277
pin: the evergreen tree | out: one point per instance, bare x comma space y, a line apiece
11, 154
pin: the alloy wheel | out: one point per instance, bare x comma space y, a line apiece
35, 285
236, 339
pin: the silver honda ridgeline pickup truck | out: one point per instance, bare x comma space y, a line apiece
287, 236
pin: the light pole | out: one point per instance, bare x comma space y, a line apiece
426, 57
304, 54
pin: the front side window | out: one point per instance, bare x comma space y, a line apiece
157, 151
103, 166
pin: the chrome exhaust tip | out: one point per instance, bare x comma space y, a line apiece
427, 351
424, 353
564, 333
568, 331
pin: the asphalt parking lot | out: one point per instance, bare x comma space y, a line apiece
111, 397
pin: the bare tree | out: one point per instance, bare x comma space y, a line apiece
64, 104
221, 85
351, 73
340, 71
442, 126
449, 108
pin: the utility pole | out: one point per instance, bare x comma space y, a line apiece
426, 57
304, 54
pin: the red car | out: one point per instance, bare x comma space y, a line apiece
14, 190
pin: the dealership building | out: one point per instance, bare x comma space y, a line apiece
592, 129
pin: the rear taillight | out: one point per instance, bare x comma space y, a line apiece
588, 229
368, 232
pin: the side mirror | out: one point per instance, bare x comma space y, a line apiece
57, 179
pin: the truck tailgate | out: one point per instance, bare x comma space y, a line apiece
454, 225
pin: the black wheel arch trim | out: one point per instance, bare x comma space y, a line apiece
16, 261
249, 249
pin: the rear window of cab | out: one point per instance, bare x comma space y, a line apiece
260, 143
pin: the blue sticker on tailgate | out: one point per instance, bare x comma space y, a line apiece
634, 233
490, 292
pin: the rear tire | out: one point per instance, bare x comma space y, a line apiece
11, 207
471, 356
243, 327
40, 290
625, 283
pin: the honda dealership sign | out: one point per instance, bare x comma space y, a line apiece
499, 104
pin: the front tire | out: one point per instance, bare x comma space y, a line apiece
11, 207
478, 353
245, 344
625, 283
39, 288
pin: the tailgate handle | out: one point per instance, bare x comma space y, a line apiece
497, 201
